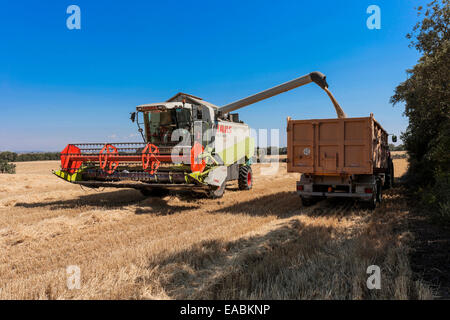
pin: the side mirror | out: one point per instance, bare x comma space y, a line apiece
133, 116
394, 138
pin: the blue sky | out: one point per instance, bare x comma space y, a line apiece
59, 85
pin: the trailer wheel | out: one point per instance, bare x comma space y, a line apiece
245, 180
217, 192
389, 182
372, 203
379, 193
391, 176
376, 197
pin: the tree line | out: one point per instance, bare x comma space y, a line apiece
6, 157
35, 156
426, 98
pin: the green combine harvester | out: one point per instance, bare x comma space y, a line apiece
188, 144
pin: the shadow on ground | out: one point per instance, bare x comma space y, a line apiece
111, 200
305, 258
161, 206
296, 260
285, 204
101, 199
281, 204
246, 268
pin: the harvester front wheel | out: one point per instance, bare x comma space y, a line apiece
245, 178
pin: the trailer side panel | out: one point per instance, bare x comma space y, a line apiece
336, 146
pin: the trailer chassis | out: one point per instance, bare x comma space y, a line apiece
367, 188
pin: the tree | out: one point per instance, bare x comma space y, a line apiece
6, 167
8, 156
427, 98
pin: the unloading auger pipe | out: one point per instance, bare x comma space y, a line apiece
317, 77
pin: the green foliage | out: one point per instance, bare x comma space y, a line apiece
38, 156
8, 156
436, 198
427, 105
6, 167
14, 157
393, 147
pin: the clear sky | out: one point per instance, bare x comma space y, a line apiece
59, 86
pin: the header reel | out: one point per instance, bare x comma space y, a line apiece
145, 156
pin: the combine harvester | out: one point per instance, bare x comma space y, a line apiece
188, 144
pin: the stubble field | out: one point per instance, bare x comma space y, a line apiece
258, 244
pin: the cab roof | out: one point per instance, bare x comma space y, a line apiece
177, 102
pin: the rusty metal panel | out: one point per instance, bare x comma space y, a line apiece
380, 149
336, 146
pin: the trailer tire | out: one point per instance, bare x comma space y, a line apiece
391, 175
389, 180
379, 193
217, 192
372, 203
245, 180
376, 197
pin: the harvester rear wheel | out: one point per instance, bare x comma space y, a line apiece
245, 180
217, 192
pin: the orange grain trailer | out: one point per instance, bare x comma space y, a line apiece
344, 157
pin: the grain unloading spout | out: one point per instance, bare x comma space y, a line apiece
317, 77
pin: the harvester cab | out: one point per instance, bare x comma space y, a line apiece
188, 143
167, 123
